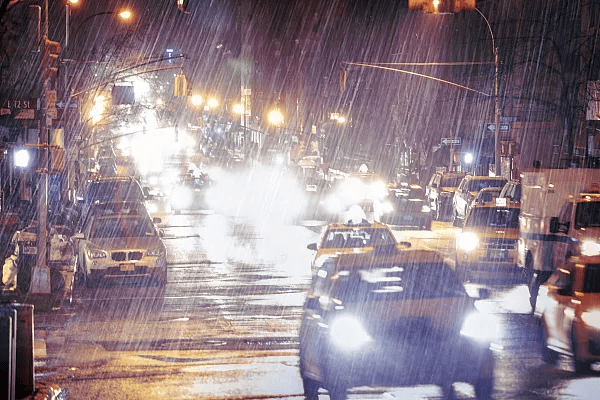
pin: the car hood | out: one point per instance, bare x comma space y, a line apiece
494, 232
444, 314
111, 244
587, 234
448, 189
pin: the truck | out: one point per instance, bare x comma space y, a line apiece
559, 218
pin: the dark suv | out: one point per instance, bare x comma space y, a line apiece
111, 189
440, 191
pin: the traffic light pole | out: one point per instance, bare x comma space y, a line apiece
40, 276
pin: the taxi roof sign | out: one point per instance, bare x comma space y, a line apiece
501, 202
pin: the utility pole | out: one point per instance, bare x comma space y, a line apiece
40, 276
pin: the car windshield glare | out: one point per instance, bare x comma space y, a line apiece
410, 281
121, 228
591, 283
587, 215
493, 217
356, 238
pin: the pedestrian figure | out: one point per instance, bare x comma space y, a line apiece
540, 276
10, 268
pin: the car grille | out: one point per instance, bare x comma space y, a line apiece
126, 255
499, 244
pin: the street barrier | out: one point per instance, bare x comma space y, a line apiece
17, 377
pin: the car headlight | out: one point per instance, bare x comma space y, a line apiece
590, 248
96, 253
347, 333
425, 209
481, 327
154, 252
387, 207
591, 318
467, 241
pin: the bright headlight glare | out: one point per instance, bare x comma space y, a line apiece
387, 207
181, 197
592, 318
481, 327
96, 254
425, 209
590, 248
347, 333
467, 241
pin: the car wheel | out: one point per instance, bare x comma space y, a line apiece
484, 388
549, 356
455, 219
580, 366
337, 393
311, 387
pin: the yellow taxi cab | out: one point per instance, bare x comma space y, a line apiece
392, 317
570, 320
356, 234
486, 247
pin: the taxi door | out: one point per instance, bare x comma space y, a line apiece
563, 310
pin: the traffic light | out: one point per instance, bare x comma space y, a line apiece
181, 85
49, 59
441, 6
343, 80
182, 5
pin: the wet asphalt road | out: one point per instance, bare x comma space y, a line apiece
226, 325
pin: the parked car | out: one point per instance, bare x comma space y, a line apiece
108, 189
440, 192
467, 191
407, 206
393, 317
570, 319
113, 247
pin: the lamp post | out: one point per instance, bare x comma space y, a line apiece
68, 5
497, 165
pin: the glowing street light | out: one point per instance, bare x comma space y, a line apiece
196, 100
275, 117
22, 158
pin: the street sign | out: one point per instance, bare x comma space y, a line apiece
19, 104
490, 126
448, 141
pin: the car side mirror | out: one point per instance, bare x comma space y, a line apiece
156, 220
312, 246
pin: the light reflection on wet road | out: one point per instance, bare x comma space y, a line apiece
226, 325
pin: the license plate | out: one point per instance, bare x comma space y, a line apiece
497, 254
127, 267
29, 250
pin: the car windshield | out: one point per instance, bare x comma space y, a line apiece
356, 238
493, 217
591, 282
103, 228
114, 191
587, 215
477, 184
409, 281
451, 181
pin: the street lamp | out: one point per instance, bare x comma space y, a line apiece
67, 19
496, 99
